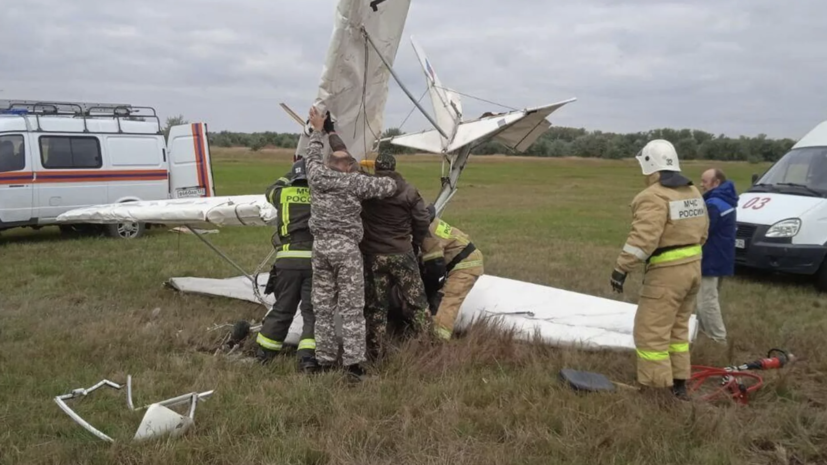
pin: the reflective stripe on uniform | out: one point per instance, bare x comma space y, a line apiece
678, 347
677, 254
728, 212
285, 216
468, 264
294, 254
443, 230
652, 355
433, 255
268, 343
636, 251
444, 333
306, 344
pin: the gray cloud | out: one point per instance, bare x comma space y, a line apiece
734, 67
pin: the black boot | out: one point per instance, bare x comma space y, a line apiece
264, 356
308, 364
355, 373
679, 389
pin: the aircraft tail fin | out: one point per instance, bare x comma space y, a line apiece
446, 102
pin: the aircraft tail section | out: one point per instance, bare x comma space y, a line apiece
354, 81
446, 102
426, 141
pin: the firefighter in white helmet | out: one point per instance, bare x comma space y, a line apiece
669, 226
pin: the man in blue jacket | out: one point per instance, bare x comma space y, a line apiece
718, 252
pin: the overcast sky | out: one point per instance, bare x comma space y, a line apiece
727, 66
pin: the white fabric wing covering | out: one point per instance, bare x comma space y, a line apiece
559, 318
348, 70
238, 210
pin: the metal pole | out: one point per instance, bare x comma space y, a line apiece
398, 81
209, 244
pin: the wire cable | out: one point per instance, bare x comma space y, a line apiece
475, 98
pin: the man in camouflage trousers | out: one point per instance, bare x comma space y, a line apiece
393, 227
338, 189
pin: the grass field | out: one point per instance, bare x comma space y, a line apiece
77, 310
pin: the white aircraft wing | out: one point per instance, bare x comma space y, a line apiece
530, 312
524, 132
426, 141
516, 129
236, 210
354, 81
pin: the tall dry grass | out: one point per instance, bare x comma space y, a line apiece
76, 310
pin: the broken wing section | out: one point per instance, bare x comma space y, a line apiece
425, 141
515, 129
521, 134
354, 82
474, 131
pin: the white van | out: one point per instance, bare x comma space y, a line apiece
59, 156
782, 217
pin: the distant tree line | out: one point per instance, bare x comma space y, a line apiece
254, 141
690, 144
569, 142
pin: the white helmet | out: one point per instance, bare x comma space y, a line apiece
658, 155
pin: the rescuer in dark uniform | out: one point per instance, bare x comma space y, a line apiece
292, 274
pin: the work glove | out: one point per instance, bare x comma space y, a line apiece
435, 269
328, 124
270, 287
618, 278
434, 302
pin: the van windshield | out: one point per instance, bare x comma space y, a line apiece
801, 171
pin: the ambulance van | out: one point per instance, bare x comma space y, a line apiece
55, 157
782, 217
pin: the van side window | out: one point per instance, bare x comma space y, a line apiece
12, 153
70, 152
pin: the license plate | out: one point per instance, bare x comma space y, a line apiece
187, 192
739, 243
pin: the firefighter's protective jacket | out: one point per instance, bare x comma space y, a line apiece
447, 248
294, 241
669, 226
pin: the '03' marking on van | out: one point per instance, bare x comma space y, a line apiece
756, 203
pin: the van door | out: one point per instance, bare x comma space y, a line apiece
16, 180
190, 167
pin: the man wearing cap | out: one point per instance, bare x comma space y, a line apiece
669, 227
394, 227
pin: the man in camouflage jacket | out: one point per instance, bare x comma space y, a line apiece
337, 191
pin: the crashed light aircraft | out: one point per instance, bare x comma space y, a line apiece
354, 88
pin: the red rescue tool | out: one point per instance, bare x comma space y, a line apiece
732, 378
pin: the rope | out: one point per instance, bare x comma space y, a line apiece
476, 98
364, 100
412, 109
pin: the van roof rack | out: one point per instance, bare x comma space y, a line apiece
80, 109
